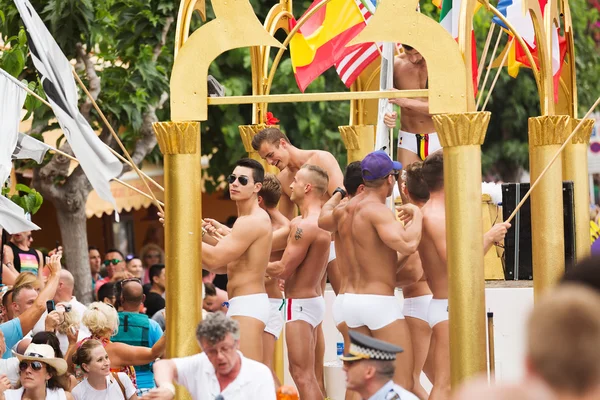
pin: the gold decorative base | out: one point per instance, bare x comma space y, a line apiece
359, 140
546, 135
461, 136
575, 168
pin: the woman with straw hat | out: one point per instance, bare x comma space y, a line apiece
39, 369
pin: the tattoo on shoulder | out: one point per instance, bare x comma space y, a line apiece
298, 234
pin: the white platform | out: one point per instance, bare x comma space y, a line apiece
510, 305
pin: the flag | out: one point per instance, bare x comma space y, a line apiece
321, 41
386, 82
449, 20
55, 71
361, 55
30, 148
13, 218
13, 98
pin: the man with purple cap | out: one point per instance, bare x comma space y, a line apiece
377, 245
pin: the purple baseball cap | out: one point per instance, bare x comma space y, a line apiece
377, 165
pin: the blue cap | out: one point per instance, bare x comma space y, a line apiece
377, 165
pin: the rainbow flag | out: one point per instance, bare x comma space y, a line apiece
321, 41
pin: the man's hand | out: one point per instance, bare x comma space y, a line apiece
159, 394
407, 212
213, 226
498, 232
53, 263
52, 321
389, 119
119, 276
161, 218
4, 383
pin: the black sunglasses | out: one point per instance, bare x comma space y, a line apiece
242, 179
35, 365
114, 261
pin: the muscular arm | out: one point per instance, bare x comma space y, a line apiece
286, 206
123, 354
295, 252
165, 372
404, 240
334, 172
280, 237
232, 246
420, 106
326, 218
30, 317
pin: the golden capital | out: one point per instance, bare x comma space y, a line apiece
548, 130
247, 132
351, 135
464, 129
582, 136
177, 137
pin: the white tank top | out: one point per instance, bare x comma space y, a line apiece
51, 394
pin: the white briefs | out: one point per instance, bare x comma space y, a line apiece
253, 305
420, 144
338, 309
309, 310
438, 311
417, 307
370, 310
274, 325
332, 255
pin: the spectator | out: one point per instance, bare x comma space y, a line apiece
151, 254
210, 302
222, 297
106, 294
18, 254
114, 261
155, 300
7, 313
586, 273
40, 375
103, 322
95, 264
99, 383
134, 267
136, 329
220, 372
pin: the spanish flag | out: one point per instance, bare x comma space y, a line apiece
321, 41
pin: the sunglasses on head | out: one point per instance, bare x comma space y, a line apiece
114, 261
242, 179
35, 365
124, 281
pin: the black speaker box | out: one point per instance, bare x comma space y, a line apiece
517, 244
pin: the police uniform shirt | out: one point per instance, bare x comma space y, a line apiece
391, 391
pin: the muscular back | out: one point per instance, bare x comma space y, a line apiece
305, 281
432, 248
272, 284
246, 274
409, 76
371, 264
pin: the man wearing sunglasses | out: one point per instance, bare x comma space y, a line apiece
303, 267
243, 255
375, 242
114, 261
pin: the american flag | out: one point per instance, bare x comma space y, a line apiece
350, 67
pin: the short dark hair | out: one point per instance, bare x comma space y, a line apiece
5, 297
90, 248
258, 172
353, 177
587, 273
433, 171
106, 291
209, 289
415, 184
115, 251
155, 271
271, 135
407, 47
205, 273
270, 191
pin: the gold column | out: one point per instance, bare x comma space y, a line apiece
358, 139
180, 144
546, 135
247, 132
575, 168
461, 136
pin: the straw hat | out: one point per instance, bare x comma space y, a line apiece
44, 353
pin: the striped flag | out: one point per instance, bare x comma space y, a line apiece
55, 71
361, 55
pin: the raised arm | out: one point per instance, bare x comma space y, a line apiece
326, 219
405, 240
165, 373
335, 174
286, 206
294, 254
123, 354
30, 317
495, 235
232, 246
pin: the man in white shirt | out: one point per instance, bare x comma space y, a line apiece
220, 371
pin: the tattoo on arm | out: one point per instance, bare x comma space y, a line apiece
298, 234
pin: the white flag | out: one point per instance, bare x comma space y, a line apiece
386, 82
98, 163
30, 148
13, 219
12, 98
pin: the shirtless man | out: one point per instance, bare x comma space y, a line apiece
372, 237
268, 197
417, 138
433, 256
302, 266
245, 253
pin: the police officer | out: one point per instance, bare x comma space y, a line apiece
369, 367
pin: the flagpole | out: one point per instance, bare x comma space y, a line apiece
567, 141
485, 51
487, 73
496, 77
44, 101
